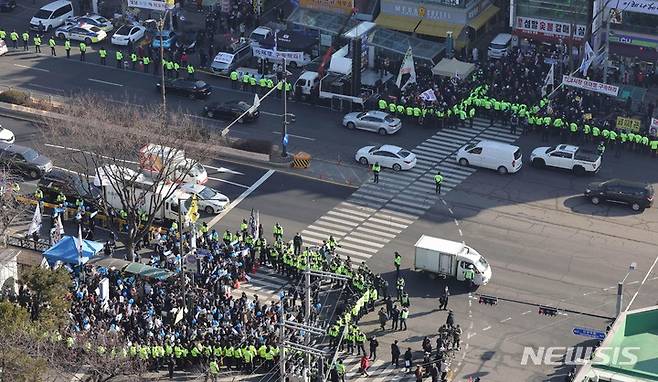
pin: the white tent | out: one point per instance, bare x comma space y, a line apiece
453, 68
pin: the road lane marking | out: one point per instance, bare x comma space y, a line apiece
294, 136
45, 87
223, 170
487, 328
240, 198
505, 320
633, 282
104, 82
31, 67
271, 114
526, 312
229, 182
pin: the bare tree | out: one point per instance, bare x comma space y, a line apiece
136, 154
10, 208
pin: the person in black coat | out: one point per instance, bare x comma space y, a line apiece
395, 354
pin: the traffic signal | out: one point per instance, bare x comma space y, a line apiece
547, 310
488, 300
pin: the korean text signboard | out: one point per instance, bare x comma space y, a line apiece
629, 124
594, 86
278, 55
148, 4
550, 28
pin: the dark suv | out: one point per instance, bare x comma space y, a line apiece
71, 186
638, 195
24, 160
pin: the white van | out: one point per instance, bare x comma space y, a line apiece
259, 35
225, 62
502, 157
52, 15
500, 46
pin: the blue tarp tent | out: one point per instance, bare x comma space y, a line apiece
66, 251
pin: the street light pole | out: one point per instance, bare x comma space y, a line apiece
620, 289
162, 68
182, 250
284, 132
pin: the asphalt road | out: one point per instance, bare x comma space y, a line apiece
316, 130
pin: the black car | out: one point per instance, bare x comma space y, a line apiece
191, 88
71, 185
638, 195
7, 5
188, 40
230, 110
24, 160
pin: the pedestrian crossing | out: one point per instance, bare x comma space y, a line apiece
377, 212
265, 283
379, 370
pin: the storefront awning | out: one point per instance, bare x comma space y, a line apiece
398, 23
399, 42
484, 16
439, 29
328, 22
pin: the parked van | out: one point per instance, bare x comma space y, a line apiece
502, 157
260, 35
500, 46
52, 15
225, 62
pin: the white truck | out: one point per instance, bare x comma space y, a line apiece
153, 157
568, 157
165, 196
331, 86
450, 259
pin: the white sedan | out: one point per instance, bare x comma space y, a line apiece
6, 135
85, 32
3, 47
210, 200
388, 156
128, 33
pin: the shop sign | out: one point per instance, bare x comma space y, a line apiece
424, 11
633, 40
272, 54
594, 86
549, 28
649, 7
344, 6
629, 124
148, 4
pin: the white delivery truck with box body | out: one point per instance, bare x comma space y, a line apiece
450, 259
165, 196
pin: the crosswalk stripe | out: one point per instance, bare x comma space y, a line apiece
391, 215
357, 207
413, 203
369, 190
347, 216
370, 236
375, 232
337, 220
390, 223
363, 242
353, 253
400, 214
331, 231
394, 206
348, 243
368, 197
350, 212
331, 225
379, 226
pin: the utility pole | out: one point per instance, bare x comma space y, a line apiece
182, 254
284, 132
607, 45
308, 329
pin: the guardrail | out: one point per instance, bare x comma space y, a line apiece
28, 243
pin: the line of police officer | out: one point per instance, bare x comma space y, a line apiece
262, 85
531, 118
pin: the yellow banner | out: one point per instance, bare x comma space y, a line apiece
629, 124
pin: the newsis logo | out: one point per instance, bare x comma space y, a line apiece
574, 356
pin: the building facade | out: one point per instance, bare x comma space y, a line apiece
634, 29
551, 21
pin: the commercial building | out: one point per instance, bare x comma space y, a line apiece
634, 29
628, 353
465, 19
551, 21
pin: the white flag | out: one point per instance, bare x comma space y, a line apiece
58, 225
35, 225
407, 68
255, 105
550, 77
428, 95
79, 244
587, 59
